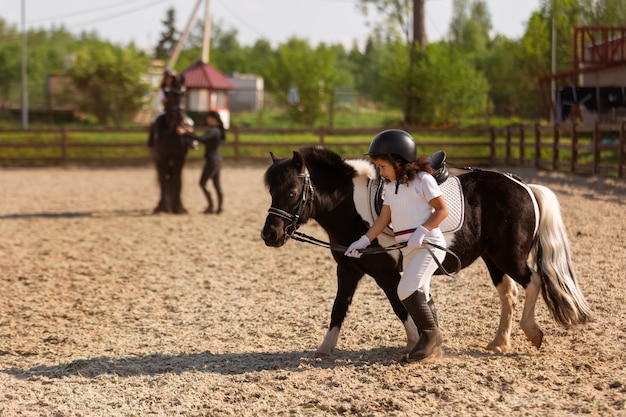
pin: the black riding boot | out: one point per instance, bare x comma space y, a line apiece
424, 316
209, 201
431, 304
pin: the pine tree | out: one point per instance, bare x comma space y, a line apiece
169, 36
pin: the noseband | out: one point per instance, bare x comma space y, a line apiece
306, 199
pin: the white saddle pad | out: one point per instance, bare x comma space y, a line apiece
370, 191
453, 194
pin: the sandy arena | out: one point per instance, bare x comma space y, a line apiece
108, 310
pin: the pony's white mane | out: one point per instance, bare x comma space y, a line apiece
363, 168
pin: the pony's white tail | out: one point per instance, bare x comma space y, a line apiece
552, 255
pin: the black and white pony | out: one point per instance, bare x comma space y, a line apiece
169, 149
517, 230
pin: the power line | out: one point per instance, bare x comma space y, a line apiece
120, 14
84, 12
243, 22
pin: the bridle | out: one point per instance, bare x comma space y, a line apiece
305, 199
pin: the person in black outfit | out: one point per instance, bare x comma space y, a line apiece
212, 139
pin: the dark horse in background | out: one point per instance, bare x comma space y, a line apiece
517, 230
169, 149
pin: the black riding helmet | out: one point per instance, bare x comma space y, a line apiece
395, 143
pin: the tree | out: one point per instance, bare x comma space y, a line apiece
396, 17
169, 36
450, 87
109, 79
47, 54
605, 12
310, 72
469, 28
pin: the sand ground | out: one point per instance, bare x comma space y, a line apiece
108, 310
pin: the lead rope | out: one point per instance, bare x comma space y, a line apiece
302, 237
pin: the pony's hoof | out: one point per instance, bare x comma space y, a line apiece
436, 353
321, 354
537, 339
498, 347
208, 210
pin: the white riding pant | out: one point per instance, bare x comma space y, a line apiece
418, 266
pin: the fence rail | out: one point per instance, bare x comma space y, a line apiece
599, 149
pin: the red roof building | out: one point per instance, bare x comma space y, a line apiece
207, 89
203, 75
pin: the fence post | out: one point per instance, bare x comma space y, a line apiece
574, 160
596, 146
521, 145
622, 150
555, 146
537, 145
236, 150
507, 156
64, 145
492, 145
321, 135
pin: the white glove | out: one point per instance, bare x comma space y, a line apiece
417, 238
353, 249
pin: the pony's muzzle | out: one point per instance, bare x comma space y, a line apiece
273, 233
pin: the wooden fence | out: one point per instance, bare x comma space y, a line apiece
600, 149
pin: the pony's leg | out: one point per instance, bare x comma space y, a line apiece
177, 187
412, 334
347, 280
388, 280
528, 324
161, 175
507, 291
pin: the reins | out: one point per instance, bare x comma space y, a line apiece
302, 237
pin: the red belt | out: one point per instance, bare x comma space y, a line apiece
408, 231
403, 232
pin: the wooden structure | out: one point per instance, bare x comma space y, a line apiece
571, 148
595, 87
207, 89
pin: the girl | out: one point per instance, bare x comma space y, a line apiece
414, 204
212, 139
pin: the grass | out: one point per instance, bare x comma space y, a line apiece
101, 146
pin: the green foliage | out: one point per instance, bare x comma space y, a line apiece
449, 86
47, 53
312, 72
169, 36
468, 77
108, 79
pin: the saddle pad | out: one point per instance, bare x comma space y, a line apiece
453, 194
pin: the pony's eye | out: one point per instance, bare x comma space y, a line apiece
292, 194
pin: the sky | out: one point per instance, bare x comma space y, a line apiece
329, 21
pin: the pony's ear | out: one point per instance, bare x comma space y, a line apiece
181, 78
274, 157
298, 162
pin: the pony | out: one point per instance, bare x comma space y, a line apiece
169, 149
517, 230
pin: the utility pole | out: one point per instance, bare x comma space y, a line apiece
24, 79
419, 32
206, 41
179, 45
419, 36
